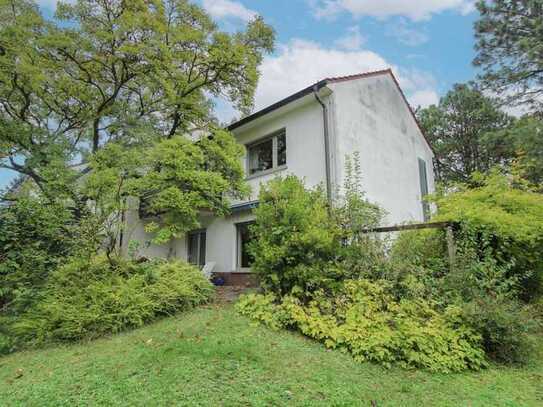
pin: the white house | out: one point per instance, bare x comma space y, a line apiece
309, 134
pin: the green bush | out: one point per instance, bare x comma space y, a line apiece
295, 238
365, 319
484, 290
35, 237
264, 309
6, 344
302, 242
501, 233
88, 298
411, 307
504, 326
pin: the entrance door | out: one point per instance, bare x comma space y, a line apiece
196, 241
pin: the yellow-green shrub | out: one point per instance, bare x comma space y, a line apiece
367, 321
88, 298
263, 308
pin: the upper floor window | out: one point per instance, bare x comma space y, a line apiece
268, 153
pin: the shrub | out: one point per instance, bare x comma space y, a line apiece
35, 238
364, 319
6, 344
406, 306
89, 298
501, 224
263, 308
302, 242
504, 326
295, 238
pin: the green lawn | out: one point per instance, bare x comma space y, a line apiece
211, 356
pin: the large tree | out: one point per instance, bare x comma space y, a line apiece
462, 129
133, 74
525, 138
509, 49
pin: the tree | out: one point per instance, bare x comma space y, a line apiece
122, 78
462, 131
509, 46
525, 136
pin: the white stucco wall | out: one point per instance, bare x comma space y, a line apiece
304, 139
367, 115
370, 116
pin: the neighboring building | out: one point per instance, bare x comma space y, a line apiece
309, 134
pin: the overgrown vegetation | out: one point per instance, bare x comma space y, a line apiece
364, 318
35, 239
105, 106
90, 297
402, 302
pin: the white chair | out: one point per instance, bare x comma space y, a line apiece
208, 269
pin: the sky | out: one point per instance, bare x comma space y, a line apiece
427, 43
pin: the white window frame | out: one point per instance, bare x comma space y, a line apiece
275, 156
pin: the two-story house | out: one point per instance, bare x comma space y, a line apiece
309, 134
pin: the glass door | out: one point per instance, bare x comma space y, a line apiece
196, 253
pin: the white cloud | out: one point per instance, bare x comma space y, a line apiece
405, 34
424, 98
419, 10
301, 63
353, 40
226, 8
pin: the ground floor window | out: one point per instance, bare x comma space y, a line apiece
244, 259
196, 253
423, 179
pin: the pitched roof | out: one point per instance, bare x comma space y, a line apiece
320, 84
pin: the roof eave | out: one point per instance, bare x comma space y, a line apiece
283, 102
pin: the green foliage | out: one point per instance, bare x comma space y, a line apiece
504, 327
295, 238
305, 243
501, 225
264, 309
365, 319
35, 239
525, 136
185, 177
6, 344
509, 47
124, 89
418, 265
461, 143
405, 305
89, 298
360, 254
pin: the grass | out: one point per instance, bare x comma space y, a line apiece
211, 356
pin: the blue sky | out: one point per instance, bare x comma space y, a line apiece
428, 43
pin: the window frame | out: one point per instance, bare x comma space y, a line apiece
240, 225
199, 233
424, 188
275, 153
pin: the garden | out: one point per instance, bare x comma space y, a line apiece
108, 108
